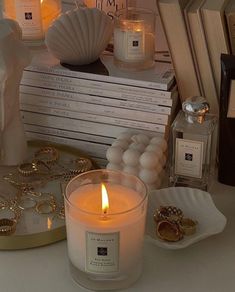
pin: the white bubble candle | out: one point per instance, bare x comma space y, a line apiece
140, 155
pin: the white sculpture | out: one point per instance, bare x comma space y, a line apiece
14, 57
78, 37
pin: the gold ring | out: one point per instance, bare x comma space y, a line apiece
45, 207
170, 213
169, 231
82, 164
48, 197
48, 155
26, 169
188, 226
26, 203
7, 226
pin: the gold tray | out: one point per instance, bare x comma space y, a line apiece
33, 229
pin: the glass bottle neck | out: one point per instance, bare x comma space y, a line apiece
194, 118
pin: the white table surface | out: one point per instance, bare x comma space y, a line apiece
207, 266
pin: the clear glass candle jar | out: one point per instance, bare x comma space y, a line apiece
105, 241
33, 16
192, 144
134, 38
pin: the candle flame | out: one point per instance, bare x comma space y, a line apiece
105, 199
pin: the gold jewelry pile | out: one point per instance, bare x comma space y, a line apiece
29, 176
171, 225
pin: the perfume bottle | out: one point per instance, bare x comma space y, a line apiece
33, 16
191, 144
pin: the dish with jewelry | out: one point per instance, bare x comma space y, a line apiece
31, 201
178, 217
171, 225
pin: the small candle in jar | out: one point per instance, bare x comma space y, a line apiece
129, 41
134, 39
33, 16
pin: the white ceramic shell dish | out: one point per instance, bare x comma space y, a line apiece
195, 204
79, 36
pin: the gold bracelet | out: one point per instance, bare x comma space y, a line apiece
82, 164
7, 226
3, 202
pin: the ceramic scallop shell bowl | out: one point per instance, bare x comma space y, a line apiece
78, 37
195, 204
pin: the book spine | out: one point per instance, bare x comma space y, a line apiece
92, 87
63, 123
230, 18
91, 149
217, 38
68, 134
80, 107
199, 44
97, 85
103, 78
85, 117
66, 95
171, 13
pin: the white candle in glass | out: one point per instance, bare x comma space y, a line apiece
117, 233
134, 38
133, 42
129, 41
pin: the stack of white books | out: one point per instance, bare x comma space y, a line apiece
89, 110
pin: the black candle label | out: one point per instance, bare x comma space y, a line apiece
102, 252
134, 45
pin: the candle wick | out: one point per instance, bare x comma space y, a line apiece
104, 214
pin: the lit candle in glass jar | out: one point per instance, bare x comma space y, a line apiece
33, 16
129, 41
134, 38
105, 236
